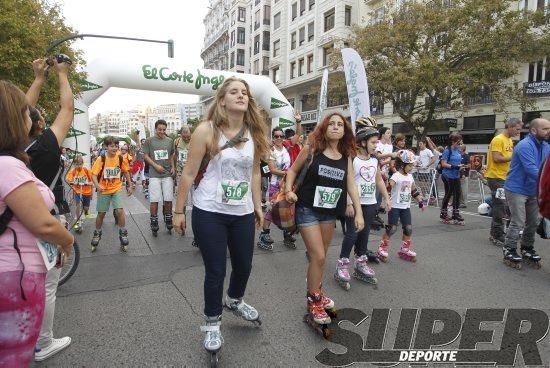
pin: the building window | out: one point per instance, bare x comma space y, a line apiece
276, 75
311, 4
309, 63
277, 21
232, 60
240, 57
302, 7
327, 51
240, 35
293, 41
233, 18
266, 41
294, 10
256, 44
292, 70
479, 122
267, 14
347, 17
379, 15
257, 19
539, 71
302, 37
300, 67
256, 67
309, 102
329, 20
276, 48
232, 38
265, 68
242, 14
310, 31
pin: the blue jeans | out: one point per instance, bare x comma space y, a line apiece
360, 239
524, 212
215, 233
306, 216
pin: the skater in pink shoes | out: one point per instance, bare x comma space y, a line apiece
402, 190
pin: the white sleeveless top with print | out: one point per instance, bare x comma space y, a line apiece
226, 186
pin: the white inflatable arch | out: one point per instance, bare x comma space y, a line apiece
167, 75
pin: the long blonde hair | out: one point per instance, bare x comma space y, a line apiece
253, 120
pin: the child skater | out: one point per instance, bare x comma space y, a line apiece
80, 179
368, 179
402, 189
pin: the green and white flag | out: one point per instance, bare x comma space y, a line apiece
323, 97
356, 80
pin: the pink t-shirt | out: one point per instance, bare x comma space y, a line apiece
15, 175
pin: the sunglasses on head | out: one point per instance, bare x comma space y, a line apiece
278, 136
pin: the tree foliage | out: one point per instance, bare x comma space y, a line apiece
427, 58
28, 27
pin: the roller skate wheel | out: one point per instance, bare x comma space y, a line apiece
327, 332
332, 313
214, 359
124, 248
94, 248
257, 322
155, 234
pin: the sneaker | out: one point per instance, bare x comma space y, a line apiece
55, 347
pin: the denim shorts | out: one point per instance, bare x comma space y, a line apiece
82, 198
403, 214
306, 216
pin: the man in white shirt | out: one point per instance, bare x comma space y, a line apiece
427, 158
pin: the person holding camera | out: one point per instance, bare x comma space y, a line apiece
24, 264
47, 164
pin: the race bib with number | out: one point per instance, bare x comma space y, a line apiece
111, 173
161, 155
404, 198
500, 194
80, 180
233, 192
326, 197
182, 155
367, 190
48, 252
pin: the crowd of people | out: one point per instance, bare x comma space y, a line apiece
229, 172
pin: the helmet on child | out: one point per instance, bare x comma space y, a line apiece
406, 156
483, 209
364, 134
365, 122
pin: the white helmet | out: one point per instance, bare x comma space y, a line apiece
483, 209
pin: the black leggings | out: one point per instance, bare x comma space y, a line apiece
452, 188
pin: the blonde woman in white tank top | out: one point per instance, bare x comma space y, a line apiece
227, 200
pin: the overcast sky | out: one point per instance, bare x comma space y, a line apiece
181, 21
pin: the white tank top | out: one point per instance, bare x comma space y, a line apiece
365, 179
401, 191
226, 186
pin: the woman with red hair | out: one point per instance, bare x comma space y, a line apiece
321, 198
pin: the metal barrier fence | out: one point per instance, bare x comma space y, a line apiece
428, 181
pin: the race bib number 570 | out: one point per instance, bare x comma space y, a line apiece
326, 197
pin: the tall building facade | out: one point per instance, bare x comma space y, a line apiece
305, 33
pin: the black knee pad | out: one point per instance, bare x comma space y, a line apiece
407, 230
390, 230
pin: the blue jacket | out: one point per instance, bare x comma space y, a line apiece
527, 159
453, 156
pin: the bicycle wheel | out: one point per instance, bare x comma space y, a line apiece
71, 265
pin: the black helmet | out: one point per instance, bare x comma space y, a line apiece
365, 122
365, 133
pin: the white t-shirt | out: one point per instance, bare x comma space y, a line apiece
384, 148
281, 159
425, 157
401, 192
365, 178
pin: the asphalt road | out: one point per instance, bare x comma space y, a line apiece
144, 308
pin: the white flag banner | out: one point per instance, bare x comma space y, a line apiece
141, 130
323, 96
356, 80
183, 115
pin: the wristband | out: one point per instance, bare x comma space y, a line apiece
179, 213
